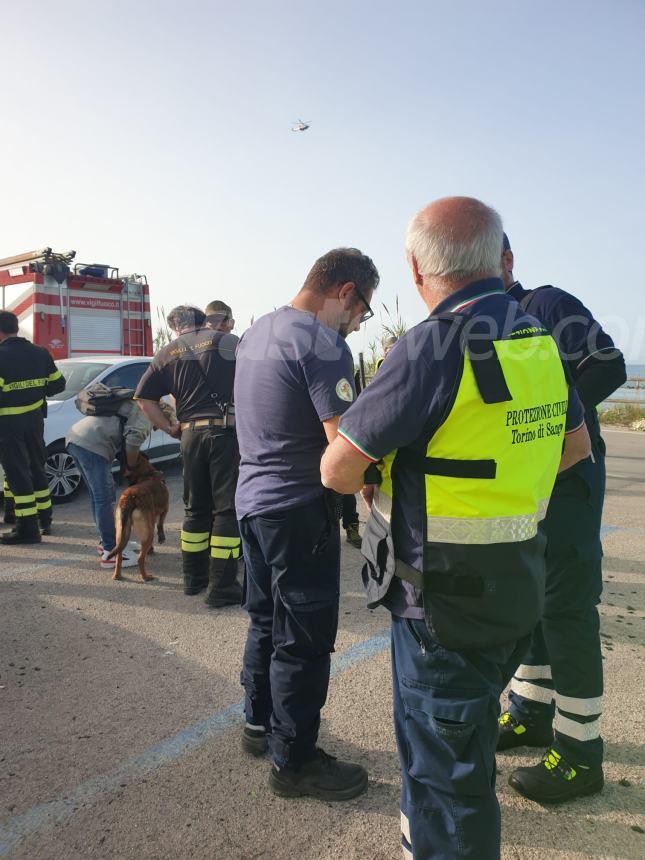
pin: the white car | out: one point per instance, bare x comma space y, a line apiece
114, 370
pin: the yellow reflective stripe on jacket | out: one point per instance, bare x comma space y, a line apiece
54, 376
20, 410
486, 530
22, 384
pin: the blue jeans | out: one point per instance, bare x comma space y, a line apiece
97, 474
292, 562
446, 705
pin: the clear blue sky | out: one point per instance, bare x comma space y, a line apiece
156, 136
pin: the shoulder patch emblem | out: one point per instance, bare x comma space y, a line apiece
344, 390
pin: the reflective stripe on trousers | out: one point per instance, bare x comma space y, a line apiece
225, 547
572, 713
194, 541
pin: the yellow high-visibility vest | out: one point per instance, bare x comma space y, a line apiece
515, 445
488, 472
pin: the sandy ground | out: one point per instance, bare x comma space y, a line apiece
119, 707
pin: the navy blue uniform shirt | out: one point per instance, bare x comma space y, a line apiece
197, 368
292, 374
405, 404
580, 339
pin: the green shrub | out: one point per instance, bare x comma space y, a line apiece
622, 413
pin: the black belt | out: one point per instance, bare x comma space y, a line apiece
446, 467
440, 583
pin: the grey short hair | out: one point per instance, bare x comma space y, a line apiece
184, 317
443, 250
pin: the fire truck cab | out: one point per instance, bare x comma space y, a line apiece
76, 309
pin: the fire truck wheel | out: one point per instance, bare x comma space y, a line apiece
64, 476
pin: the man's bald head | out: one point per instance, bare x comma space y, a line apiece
455, 240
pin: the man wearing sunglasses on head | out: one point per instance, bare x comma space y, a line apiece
294, 380
219, 317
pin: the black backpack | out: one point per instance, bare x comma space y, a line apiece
101, 401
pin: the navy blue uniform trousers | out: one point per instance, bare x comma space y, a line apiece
292, 560
446, 706
561, 675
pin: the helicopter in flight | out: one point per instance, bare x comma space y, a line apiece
301, 125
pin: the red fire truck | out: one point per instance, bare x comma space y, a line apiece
76, 309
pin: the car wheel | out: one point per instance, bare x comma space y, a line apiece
63, 474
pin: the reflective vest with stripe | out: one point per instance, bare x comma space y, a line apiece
488, 473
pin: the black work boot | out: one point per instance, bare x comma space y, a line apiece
26, 531
554, 780
513, 733
45, 525
9, 516
223, 587
324, 778
195, 566
254, 740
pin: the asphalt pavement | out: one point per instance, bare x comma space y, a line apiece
120, 712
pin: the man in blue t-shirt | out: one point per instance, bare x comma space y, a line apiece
294, 379
452, 545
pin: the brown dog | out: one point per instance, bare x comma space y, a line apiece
144, 503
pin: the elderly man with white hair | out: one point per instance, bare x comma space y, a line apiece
466, 421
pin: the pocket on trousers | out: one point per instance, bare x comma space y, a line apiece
308, 619
445, 747
379, 559
309, 599
312, 582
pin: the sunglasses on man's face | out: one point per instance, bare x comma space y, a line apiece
369, 313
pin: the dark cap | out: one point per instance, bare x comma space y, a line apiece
506, 245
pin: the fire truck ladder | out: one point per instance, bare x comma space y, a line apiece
138, 281
35, 261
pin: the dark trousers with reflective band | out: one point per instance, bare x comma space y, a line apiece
292, 561
209, 531
8, 497
564, 661
446, 706
23, 456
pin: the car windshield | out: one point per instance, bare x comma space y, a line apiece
78, 375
